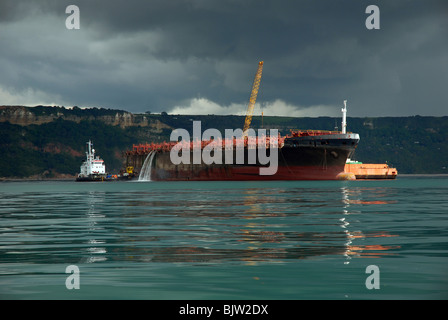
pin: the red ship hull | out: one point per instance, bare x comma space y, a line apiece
250, 174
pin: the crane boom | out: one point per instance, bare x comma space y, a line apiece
253, 98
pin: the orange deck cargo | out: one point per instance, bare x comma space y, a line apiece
370, 171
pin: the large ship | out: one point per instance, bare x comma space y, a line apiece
300, 155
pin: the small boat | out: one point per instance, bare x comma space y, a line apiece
364, 171
93, 168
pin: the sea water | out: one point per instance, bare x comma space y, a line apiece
286, 240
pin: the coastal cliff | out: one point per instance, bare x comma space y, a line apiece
38, 115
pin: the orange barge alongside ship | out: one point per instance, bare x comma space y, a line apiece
370, 170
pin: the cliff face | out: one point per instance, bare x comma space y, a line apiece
45, 142
25, 116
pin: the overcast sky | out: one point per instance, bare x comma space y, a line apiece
200, 56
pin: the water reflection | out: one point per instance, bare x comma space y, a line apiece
250, 225
199, 225
353, 246
96, 248
258, 224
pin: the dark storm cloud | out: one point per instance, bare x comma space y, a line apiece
156, 55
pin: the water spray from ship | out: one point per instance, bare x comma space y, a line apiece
145, 173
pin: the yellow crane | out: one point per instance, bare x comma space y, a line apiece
253, 98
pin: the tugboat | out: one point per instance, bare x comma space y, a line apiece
92, 169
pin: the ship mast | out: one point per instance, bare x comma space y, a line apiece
344, 117
90, 152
